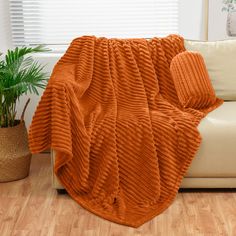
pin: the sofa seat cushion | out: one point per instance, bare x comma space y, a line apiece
217, 154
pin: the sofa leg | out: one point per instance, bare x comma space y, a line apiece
61, 191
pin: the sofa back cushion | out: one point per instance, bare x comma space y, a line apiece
192, 82
220, 59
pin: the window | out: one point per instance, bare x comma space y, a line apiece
57, 22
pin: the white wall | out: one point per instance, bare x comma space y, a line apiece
191, 27
5, 29
217, 21
192, 21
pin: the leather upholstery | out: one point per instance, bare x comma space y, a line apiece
215, 163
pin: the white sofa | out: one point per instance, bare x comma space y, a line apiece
214, 166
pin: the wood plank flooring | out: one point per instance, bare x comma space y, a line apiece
30, 207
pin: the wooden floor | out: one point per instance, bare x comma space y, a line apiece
31, 207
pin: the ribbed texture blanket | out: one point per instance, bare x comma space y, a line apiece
123, 142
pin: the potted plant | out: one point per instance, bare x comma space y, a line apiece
230, 7
19, 74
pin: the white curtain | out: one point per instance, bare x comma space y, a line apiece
57, 22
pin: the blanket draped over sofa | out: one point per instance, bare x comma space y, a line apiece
123, 142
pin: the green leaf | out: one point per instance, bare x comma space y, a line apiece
19, 74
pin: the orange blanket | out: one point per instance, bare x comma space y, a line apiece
111, 112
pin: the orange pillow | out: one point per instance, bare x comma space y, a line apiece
191, 79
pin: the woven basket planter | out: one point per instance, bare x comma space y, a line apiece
15, 156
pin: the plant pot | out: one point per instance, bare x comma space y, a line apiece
15, 156
231, 23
